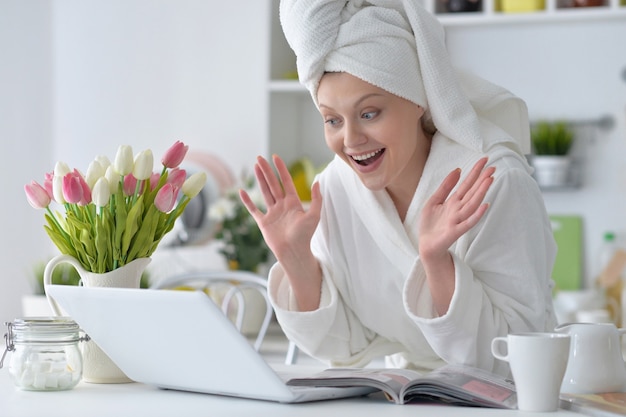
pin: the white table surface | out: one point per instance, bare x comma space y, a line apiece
134, 399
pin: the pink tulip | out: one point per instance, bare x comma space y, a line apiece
86, 199
154, 180
130, 183
37, 195
175, 155
166, 198
47, 183
72, 189
177, 177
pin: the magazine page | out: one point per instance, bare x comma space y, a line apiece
463, 385
600, 405
451, 384
390, 381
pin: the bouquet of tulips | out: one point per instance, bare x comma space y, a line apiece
117, 212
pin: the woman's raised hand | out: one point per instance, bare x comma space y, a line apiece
286, 226
446, 216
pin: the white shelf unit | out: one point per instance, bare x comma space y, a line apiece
295, 127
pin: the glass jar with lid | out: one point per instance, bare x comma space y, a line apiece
44, 353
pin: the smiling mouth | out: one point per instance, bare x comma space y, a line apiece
368, 158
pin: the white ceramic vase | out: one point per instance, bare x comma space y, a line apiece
97, 366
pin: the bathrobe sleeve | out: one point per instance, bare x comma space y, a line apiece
332, 333
502, 270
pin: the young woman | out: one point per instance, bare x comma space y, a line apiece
426, 236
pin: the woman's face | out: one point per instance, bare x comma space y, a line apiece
375, 132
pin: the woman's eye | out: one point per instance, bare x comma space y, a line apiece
369, 115
332, 122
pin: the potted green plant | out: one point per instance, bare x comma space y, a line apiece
551, 144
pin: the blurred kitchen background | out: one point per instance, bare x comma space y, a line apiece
78, 78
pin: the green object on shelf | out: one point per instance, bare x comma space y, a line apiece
551, 138
567, 272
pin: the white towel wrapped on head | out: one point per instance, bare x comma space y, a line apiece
400, 47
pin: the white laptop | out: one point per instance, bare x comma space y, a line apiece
180, 340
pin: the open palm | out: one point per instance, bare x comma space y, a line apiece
447, 216
286, 225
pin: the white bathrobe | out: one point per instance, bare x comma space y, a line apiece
375, 300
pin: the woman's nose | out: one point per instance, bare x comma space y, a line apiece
353, 135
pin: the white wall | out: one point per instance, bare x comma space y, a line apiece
26, 134
148, 72
570, 70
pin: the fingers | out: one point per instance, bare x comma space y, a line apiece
268, 182
477, 184
442, 193
285, 177
466, 186
472, 192
476, 198
474, 218
274, 187
315, 207
473, 176
263, 185
247, 202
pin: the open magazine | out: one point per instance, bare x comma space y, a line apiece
451, 384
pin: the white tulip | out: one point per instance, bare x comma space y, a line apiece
144, 163
113, 178
123, 163
192, 185
94, 172
101, 192
60, 170
103, 160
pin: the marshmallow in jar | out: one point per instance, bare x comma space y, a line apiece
45, 354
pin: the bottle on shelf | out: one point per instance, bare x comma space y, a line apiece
611, 263
606, 252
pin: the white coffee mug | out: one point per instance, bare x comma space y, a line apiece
538, 362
